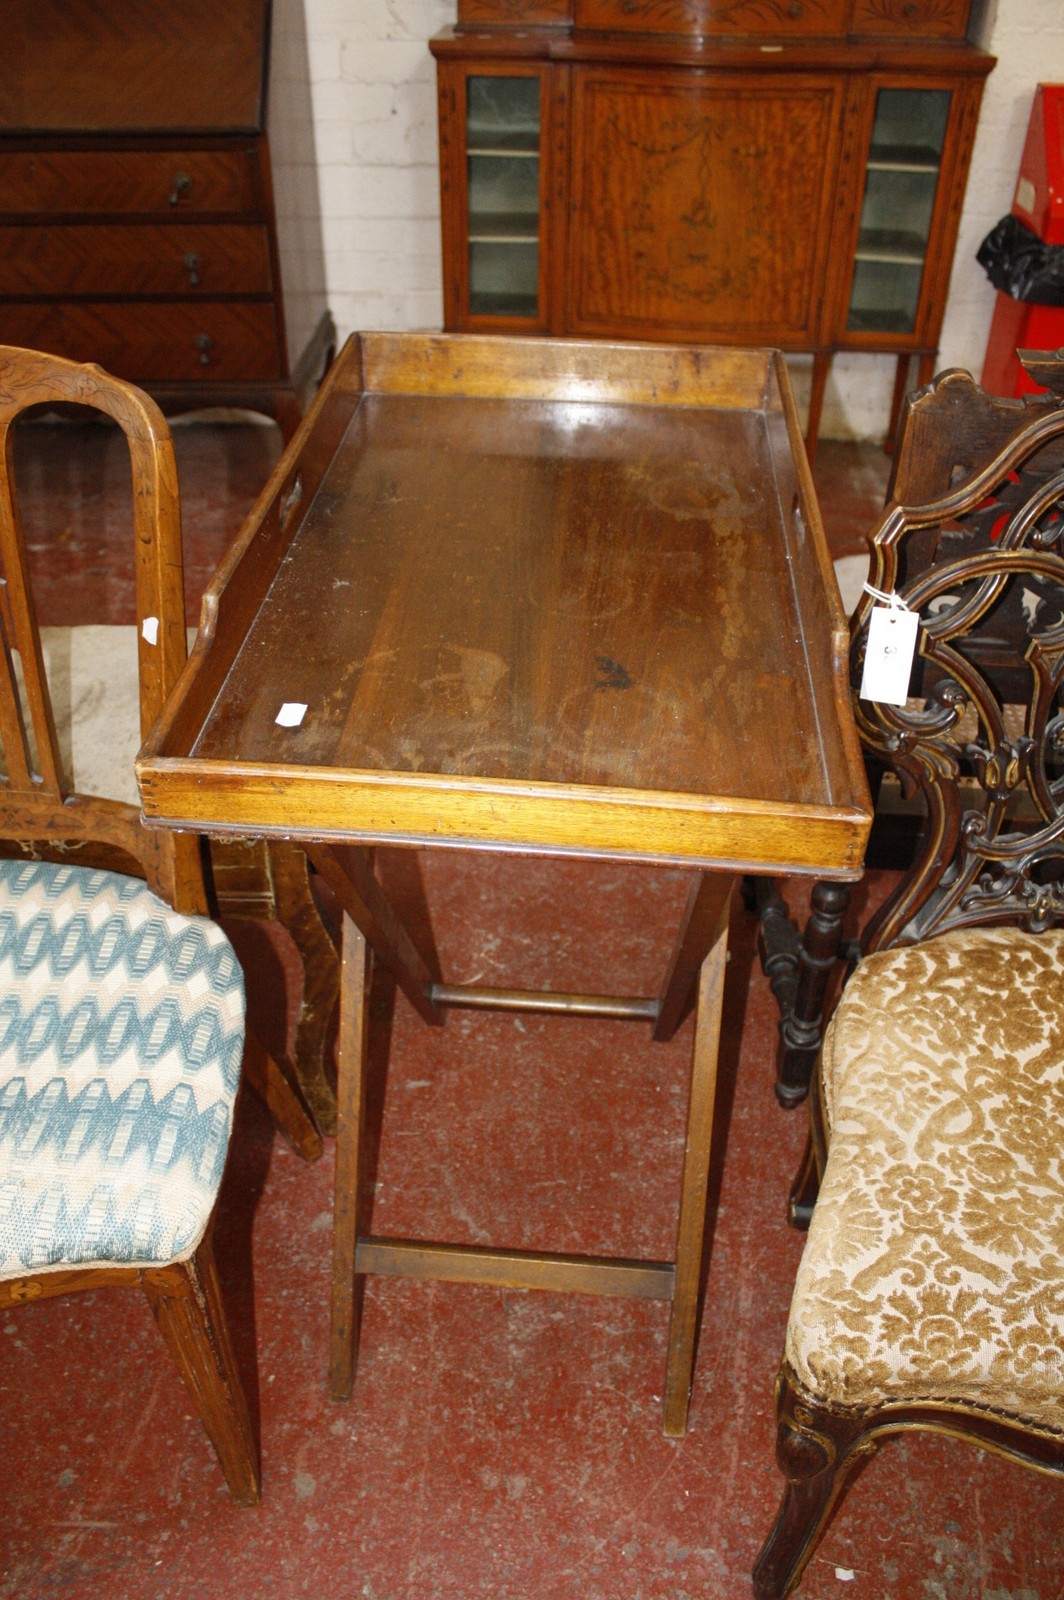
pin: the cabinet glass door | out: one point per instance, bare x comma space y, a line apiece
502, 148
900, 184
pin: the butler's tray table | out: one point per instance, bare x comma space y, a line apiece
621, 545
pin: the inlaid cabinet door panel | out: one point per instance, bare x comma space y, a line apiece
701, 204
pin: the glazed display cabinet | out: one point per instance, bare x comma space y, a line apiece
706, 170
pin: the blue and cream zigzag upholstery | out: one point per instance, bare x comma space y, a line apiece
121, 1035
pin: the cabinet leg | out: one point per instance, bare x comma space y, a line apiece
821, 368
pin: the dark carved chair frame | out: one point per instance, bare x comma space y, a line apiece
950, 431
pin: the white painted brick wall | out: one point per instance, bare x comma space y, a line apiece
375, 131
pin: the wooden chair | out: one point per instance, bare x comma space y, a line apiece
949, 431
931, 1290
121, 1005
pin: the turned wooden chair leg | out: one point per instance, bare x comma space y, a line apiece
802, 1030
346, 1299
694, 1185
187, 1305
817, 1452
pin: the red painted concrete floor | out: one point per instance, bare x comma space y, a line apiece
499, 1445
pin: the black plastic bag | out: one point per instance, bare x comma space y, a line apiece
1016, 260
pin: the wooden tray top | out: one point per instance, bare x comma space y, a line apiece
537, 594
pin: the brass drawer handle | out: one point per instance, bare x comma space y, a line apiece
795, 10
182, 184
192, 266
204, 344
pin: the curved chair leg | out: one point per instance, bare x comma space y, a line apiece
801, 1031
283, 1098
260, 880
186, 1304
817, 1451
297, 911
804, 1189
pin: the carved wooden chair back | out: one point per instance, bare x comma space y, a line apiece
979, 739
930, 1290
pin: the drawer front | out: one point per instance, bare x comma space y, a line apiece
92, 182
923, 19
154, 341
719, 18
131, 259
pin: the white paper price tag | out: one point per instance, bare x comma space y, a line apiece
291, 714
889, 657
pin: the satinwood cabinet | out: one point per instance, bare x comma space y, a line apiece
785, 172
158, 197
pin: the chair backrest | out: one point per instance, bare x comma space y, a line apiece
981, 737
41, 812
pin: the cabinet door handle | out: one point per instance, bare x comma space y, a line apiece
204, 344
192, 267
795, 10
181, 185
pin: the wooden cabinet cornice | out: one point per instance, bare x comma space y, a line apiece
722, 171
158, 197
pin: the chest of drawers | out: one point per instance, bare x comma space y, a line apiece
158, 197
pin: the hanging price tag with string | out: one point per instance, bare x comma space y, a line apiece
892, 630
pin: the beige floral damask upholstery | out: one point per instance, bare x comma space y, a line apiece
934, 1265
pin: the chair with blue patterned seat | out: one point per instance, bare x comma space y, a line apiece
121, 1004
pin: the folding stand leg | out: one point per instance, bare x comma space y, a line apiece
706, 922
350, 1107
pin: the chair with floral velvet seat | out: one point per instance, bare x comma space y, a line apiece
931, 1289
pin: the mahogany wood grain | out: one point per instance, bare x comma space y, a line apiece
172, 183
937, 19
136, 258
187, 1305
493, 661
837, 19
65, 59
209, 342
718, 18
155, 212
538, 595
345, 1300
695, 1177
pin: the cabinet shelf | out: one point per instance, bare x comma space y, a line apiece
903, 249
903, 158
498, 147
503, 230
